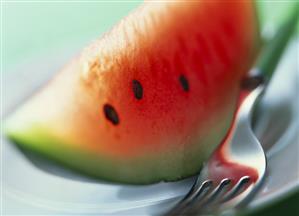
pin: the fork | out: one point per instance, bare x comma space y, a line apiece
236, 170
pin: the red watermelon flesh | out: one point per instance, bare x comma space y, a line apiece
151, 99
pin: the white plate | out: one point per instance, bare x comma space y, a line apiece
32, 185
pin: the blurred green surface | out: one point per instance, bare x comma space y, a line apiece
33, 28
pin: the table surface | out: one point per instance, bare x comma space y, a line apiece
33, 27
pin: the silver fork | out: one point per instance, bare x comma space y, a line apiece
233, 172
237, 168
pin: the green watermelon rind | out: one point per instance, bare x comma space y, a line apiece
145, 169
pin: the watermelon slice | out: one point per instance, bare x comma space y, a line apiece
151, 99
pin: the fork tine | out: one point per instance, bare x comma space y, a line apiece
195, 192
217, 191
236, 189
197, 189
203, 190
204, 202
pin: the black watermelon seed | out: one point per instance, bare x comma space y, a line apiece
252, 82
111, 114
184, 82
137, 89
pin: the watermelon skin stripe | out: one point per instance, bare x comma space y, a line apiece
151, 99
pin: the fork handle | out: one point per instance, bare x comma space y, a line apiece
274, 48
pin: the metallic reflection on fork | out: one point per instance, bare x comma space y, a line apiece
234, 171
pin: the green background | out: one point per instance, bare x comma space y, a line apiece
33, 28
